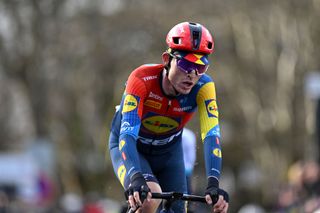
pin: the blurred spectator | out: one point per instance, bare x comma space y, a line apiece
18, 174
287, 198
302, 192
318, 128
251, 208
295, 172
312, 205
250, 175
311, 178
71, 203
92, 203
109, 205
45, 189
312, 87
93, 208
4, 202
189, 154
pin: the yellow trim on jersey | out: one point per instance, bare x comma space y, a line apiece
208, 110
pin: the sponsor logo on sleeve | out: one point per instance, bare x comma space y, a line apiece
216, 131
130, 103
122, 173
121, 144
212, 108
217, 152
126, 127
151, 77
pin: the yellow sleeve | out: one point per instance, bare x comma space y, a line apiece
208, 111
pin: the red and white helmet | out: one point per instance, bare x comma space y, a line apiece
191, 37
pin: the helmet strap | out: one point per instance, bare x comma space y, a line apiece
174, 88
167, 68
168, 65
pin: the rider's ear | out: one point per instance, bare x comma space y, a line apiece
165, 58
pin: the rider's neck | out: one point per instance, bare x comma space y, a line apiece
167, 86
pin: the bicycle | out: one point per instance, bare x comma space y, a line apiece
171, 197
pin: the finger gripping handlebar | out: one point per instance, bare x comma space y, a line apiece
173, 196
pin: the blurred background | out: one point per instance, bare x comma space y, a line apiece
63, 65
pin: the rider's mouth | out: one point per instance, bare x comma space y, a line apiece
187, 83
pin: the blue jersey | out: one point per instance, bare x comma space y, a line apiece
153, 121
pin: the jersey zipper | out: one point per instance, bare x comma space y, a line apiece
169, 104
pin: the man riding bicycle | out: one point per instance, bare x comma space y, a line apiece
159, 99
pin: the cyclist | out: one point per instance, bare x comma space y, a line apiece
159, 99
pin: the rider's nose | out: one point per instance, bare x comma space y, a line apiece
192, 74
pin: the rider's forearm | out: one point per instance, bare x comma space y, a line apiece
129, 153
213, 156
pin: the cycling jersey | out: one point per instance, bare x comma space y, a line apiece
152, 121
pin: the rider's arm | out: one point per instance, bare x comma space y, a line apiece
210, 131
131, 109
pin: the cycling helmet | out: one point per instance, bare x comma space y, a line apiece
191, 37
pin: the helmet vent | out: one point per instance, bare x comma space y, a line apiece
195, 34
176, 40
195, 39
210, 45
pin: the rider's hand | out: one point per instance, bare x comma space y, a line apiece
216, 197
138, 191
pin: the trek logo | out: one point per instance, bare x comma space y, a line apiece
130, 103
160, 141
148, 78
159, 124
212, 108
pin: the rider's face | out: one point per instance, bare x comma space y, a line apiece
182, 81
